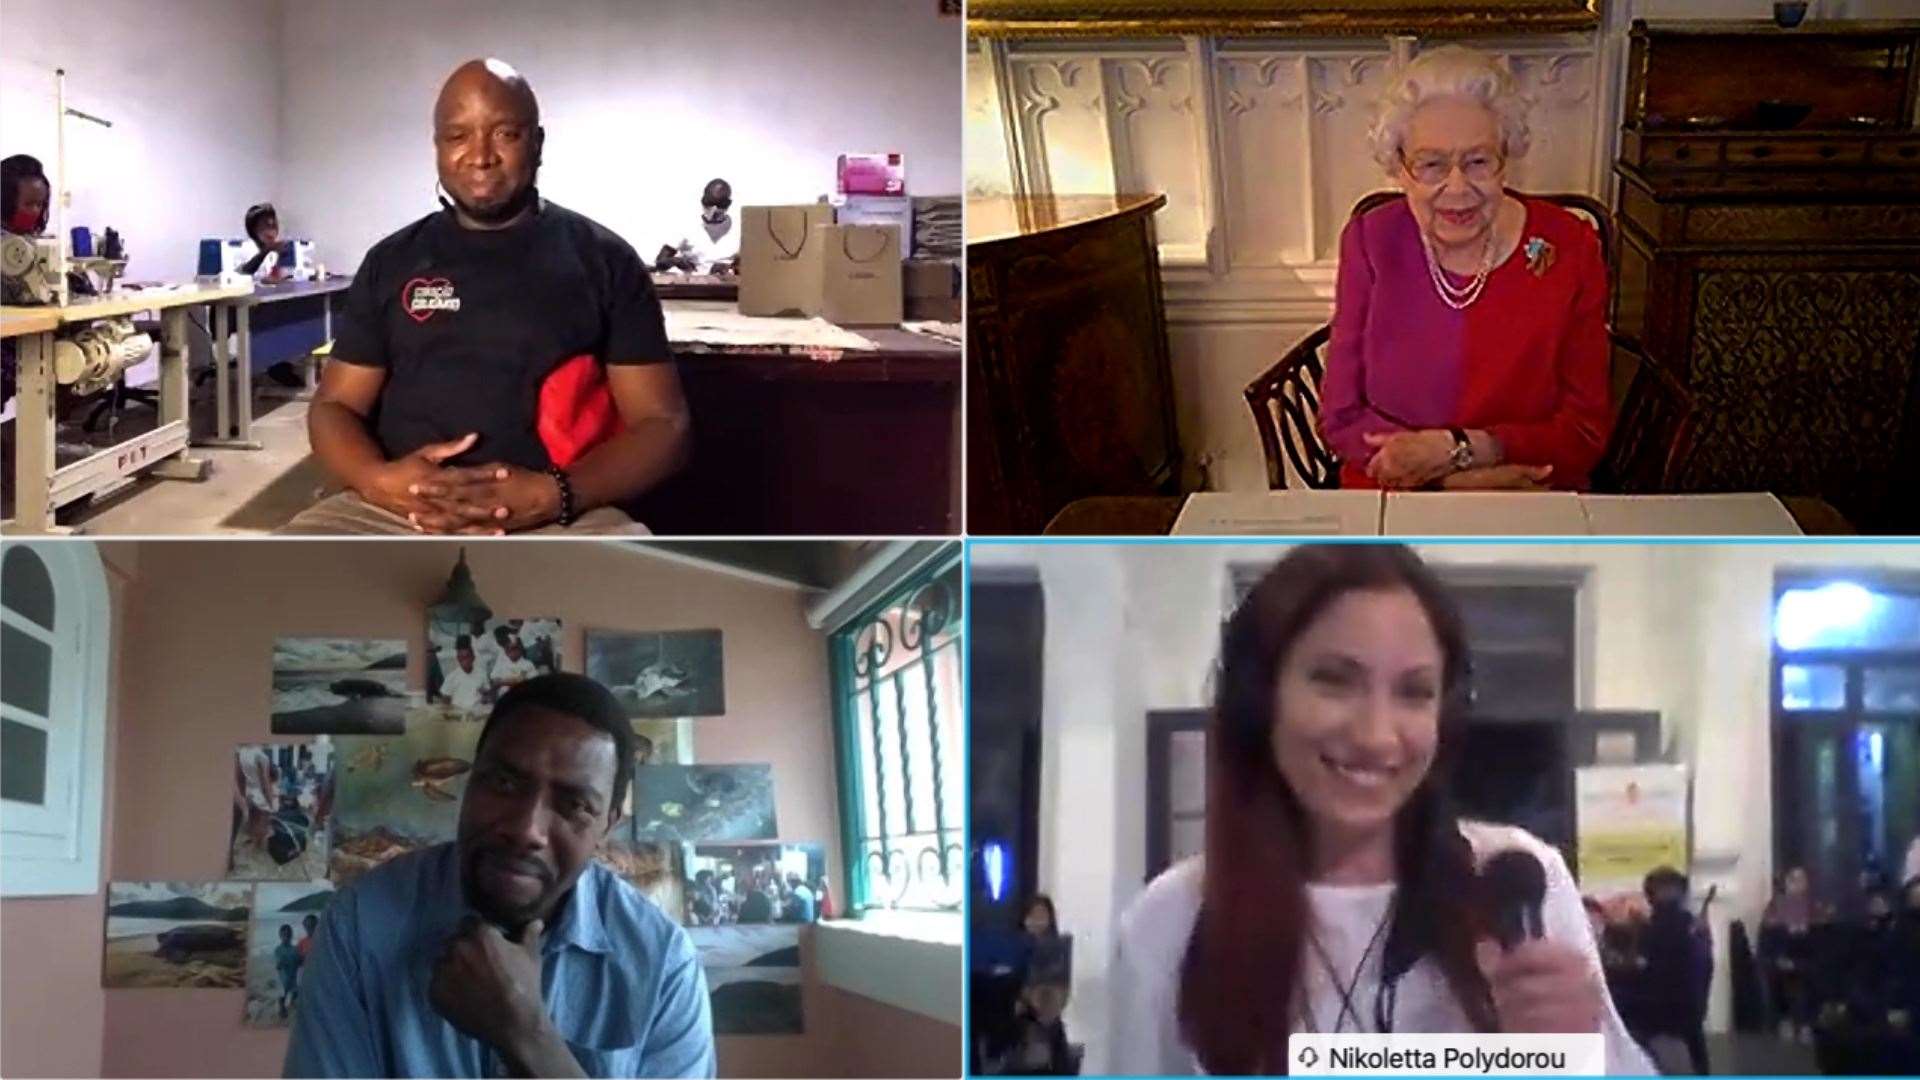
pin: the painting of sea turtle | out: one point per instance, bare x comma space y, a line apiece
339, 686
399, 794
691, 803
672, 673
176, 934
431, 776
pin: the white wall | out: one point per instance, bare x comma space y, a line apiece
1683, 629
643, 103
193, 90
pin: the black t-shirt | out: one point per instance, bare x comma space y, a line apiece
469, 322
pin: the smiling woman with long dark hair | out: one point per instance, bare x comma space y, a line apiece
1339, 891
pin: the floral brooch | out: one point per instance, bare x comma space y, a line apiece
1539, 255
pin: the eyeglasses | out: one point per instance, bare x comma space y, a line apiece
1434, 169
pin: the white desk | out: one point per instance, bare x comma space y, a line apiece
1374, 513
41, 484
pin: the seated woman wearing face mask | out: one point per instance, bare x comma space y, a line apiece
27, 194
1339, 892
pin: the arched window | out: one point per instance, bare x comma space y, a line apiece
53, 694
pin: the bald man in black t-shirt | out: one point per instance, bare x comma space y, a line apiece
429, 413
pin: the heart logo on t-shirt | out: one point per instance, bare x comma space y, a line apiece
421, 297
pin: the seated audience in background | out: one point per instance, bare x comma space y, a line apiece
1034, 1042
1864, 1023
1912, 867
1786, 932
263, 230
1469, 344
501, 365
1045, 953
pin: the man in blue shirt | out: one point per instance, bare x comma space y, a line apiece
510, 951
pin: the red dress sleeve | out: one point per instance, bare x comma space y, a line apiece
1345, 415
1574, 437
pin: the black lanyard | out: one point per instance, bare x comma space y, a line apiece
1383, 996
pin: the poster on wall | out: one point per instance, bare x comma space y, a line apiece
662, 742
691, 803
656, 868
468, 671
176, 934
730, 884
753, 977
282, 799
1629, 820
398, 794
660, 675
657, 742
339, 686
279, 941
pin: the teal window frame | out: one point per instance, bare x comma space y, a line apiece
933, 600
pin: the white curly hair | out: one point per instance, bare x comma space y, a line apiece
1449, 71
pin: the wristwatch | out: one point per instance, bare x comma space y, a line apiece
1462, 450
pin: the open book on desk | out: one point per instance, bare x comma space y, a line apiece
1280, 513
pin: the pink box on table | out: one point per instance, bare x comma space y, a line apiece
872, 174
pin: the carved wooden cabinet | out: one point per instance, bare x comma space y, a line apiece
1069, 387
1769, 210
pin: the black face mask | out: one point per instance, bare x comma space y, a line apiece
506, 211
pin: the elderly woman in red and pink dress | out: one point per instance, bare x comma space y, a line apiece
1469, 342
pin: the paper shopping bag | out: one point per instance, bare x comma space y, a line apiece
859, 274
780, 259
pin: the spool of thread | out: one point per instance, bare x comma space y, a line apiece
82, 242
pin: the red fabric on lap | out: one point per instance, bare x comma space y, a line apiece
576, 412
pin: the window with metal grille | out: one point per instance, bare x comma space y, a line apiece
897, 679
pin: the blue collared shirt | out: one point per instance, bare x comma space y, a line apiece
622, 982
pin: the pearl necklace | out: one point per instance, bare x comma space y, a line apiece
1458, 297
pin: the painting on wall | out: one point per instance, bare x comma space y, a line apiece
339, 686
693, 803
730, 884
279, 938
753, 977
662, 742
658, 742
176, 934
467, 672
398, 795
660, 675
657, 868
282, 800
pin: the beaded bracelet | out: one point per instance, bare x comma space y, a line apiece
565, 482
